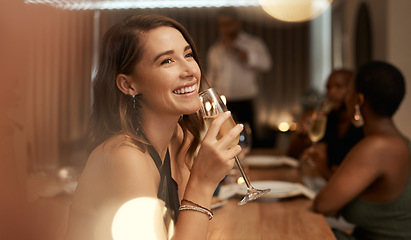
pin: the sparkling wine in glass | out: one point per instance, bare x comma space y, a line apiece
316, 132
317, 126
212, 106
225, 128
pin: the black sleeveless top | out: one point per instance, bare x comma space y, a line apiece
168, 188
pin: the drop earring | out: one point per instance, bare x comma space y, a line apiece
358, 120
135, 114
134, 101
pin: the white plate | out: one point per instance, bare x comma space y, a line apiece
270, 161
279, 189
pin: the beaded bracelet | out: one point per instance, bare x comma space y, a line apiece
198, 209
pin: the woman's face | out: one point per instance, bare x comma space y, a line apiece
167, 75
337, 87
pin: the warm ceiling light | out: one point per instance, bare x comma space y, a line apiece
140, 4
294, 10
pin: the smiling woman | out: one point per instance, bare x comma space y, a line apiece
166, 59
148, 77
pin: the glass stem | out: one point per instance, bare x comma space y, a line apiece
240, 167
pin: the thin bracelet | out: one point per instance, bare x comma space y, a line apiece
198, 205
198, 209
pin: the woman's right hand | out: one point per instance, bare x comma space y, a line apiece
215, 159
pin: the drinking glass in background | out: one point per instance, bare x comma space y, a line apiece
318, 123
316, 132
317, 126
212, 106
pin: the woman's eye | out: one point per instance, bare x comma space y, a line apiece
166, 61
189, 55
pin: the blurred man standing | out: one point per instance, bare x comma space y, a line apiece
233, 63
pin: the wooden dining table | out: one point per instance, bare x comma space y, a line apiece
284, 218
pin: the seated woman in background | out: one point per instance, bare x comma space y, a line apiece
372, 186
145, 130
340, 134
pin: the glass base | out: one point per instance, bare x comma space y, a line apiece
253, 194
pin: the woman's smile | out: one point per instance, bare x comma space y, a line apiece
185, 89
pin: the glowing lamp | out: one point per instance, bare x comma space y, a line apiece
294, 10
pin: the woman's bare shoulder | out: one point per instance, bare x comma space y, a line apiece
122, 168
118, 150
116, 171
378, 148
380, 142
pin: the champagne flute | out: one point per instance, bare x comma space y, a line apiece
316, 132
211, 107
317, 126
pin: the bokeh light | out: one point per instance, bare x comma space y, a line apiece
284, 126
141, 218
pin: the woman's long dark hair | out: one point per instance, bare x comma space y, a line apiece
115, 112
